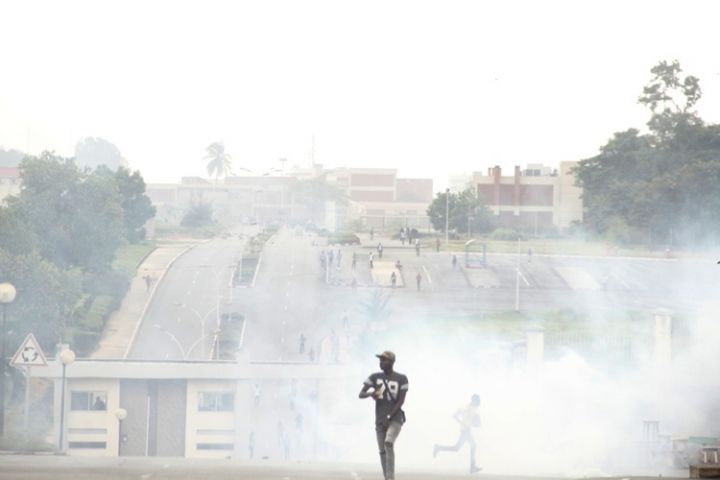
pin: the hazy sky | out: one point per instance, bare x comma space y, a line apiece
429, 87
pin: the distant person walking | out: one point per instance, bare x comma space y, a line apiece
454, 262
393, 279
302, 343
257, 394
346, 320
148, 282
389, 389
371, 257
417, 247
380, 249
530, 254
468, 418
418, 280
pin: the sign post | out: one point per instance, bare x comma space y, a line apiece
28, 355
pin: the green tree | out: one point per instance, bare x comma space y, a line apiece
46, 297
93, 152
137, 207
219, 161
671, 98
464, 208
76, 217
665, 183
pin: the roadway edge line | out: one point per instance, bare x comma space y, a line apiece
150, 299
257, 269
427, 274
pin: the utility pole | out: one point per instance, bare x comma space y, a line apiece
517, 277
447, 216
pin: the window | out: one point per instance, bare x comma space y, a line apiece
87, 445
215, 446
216, 401
83, 401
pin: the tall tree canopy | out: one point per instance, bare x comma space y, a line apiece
467, 212
93, 152
663, 186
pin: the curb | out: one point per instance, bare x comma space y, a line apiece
150, 299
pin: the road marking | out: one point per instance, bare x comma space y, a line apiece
427, 274
523, 277
623, 282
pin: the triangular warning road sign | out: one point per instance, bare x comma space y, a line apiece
29, 354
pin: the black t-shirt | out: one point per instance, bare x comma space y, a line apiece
395, 382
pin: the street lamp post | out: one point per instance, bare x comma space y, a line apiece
7, 296
447, 216
66, 358
517, 277
120, 414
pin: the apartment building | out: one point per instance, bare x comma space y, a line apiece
375, 196
536, 199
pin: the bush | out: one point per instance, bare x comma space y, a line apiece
198, 215
111, 283
506, 234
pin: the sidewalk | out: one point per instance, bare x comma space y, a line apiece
123, 323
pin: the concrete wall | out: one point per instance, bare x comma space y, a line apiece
209, 433
87, 429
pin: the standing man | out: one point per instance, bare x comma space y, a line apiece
417, 247
418, 280
380, 249
468, 418
388, 388
370, 258
302, 343
393, 279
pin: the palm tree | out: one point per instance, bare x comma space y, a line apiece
220, 163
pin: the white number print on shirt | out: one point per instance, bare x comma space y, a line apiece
392, 385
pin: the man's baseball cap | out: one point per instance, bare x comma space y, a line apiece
386, 354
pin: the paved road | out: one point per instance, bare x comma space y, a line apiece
66, 468
291, 298
187, 303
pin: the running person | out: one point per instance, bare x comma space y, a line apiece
468, 418
388, 388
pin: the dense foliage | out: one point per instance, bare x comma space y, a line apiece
663, 186
466, 213
58, 239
